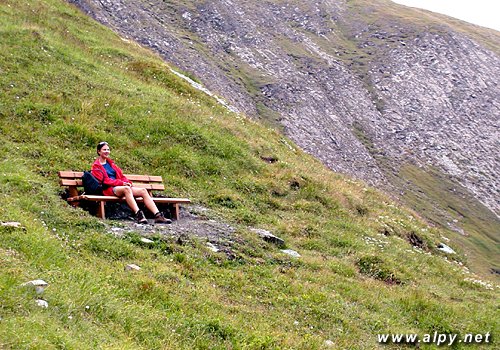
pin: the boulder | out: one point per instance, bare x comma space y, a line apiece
42, 303
291, 253
38, 285
269, 237
132, 267
444, 248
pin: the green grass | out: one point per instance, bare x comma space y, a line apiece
68, 83
479, 224
445, 203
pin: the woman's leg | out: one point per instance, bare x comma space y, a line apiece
150, 204
148, 201
126, 191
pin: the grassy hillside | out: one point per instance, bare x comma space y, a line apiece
429, 191
68, 83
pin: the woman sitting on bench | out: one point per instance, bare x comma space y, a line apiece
115, 183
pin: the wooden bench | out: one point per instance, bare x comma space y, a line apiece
73, 180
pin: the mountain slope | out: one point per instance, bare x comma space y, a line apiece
370, 88
367, 266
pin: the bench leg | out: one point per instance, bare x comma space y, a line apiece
176, 211
100, 210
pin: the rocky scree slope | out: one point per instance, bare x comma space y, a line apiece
367, 87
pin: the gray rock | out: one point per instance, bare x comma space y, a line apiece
212, 247
329, 343
444, 248
42, 303
38, 285
132, 267
291, 253
268, 236
11, 224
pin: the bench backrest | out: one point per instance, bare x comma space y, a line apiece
73, 179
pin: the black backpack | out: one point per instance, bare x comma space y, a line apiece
91, 185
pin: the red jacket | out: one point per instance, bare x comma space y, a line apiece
102, 176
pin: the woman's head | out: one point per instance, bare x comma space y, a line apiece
103, 147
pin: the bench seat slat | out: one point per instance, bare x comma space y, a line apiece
143, 178
153, 187
70, 174
118, 199
67, 182
77, 175
148, 186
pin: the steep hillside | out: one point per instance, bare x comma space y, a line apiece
367, 265
370, 88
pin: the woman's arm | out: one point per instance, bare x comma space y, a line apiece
119, 175
102, 176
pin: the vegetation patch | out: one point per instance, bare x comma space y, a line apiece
455, 208
416, 241
375, 267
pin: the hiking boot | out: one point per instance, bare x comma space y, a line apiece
140, 218
160, 219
